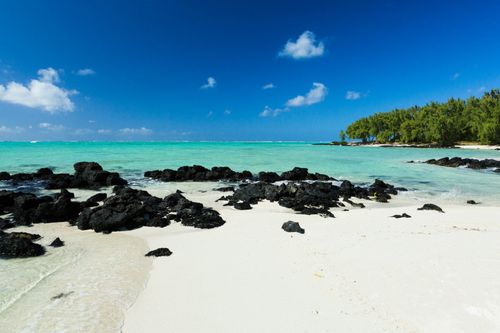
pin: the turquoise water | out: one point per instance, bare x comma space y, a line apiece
359, 164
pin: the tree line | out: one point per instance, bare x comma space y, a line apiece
473, 120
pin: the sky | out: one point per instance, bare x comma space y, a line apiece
233, 70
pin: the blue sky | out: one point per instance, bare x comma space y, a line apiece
197, 70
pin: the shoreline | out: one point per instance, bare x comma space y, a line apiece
403, 145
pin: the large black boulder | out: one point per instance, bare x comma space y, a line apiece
19, 245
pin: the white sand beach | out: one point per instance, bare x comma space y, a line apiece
360, 272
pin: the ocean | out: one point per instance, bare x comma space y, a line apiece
358, 164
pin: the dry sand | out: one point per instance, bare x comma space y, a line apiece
360, 272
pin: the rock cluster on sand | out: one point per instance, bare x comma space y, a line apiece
307, 198
87, 175
200, 173
27, 208
471, 163
130, 209
19, 245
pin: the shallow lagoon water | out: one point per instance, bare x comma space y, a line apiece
358, 164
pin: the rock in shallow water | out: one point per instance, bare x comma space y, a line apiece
291, 226
160, 252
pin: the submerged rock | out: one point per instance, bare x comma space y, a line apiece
429, 206
160, 252
19, 245
291, 226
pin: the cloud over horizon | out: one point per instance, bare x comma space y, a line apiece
41, 93
304, 47
139, 131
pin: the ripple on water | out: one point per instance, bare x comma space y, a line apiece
84, 286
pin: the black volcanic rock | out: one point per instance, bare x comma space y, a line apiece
309, 197
471, 163
19, 245
198, 173
5, 224
97, 198
57, 242
5, 176
472, 202
399, 216
429, 206
268, 177
291, 226
243, 205
87, 175
130, 209
160, 252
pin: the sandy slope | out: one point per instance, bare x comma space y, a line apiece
360, 272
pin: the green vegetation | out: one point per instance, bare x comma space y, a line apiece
473, 120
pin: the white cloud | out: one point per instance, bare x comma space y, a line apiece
269, 112
83, 131
227, 112
210, 114
11, 130
455, 76
211, 82
317, 94
104, 131
268, 86
85, 72
304, 47
49, 75
51, 127
41, 93
139, 131
352, 95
